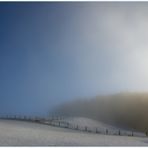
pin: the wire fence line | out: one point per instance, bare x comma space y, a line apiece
58, 121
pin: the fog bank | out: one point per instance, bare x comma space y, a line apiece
122, 109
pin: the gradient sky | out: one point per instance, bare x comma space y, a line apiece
51, 53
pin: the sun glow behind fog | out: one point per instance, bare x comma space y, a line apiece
116, 36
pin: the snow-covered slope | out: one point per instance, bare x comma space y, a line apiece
81, 121
20, 133
93, 125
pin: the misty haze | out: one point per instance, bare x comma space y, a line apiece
73, 74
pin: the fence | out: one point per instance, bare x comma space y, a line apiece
59, 122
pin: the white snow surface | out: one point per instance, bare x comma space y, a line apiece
21, 133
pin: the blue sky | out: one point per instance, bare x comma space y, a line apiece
51, 53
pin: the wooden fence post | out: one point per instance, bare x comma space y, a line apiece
119, 132
106, 131
86, 128
132, 133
